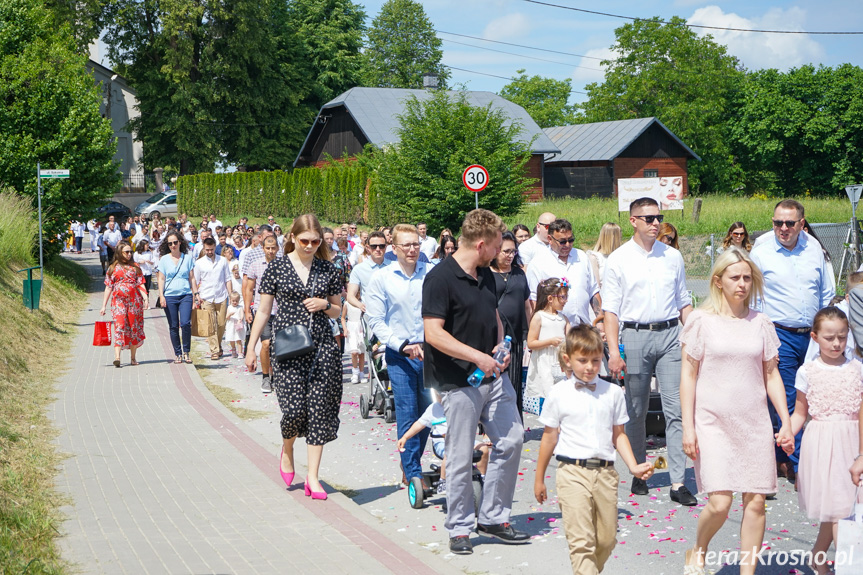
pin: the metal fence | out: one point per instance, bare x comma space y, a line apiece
699, 253
143, 183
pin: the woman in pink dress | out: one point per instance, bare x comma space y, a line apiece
125, 281
728, 372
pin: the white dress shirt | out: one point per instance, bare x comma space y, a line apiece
530, 248
578, 273
112, 237
586, 419
394, 304
428, 246
214, 225
645, 287
212, 276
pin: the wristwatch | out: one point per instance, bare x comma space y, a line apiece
329, 305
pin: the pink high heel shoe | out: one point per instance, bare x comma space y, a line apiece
287, 477
322, 495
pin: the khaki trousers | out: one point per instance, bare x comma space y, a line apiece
221, 310
588, 503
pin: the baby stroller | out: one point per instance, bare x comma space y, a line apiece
379, 397
420, 489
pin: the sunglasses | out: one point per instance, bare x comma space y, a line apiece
564, 241
787, 223
306, 243
650, 219
174, 243
738, 234
377, 246
508, 252
126, 252
542, 225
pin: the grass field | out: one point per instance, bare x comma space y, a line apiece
33, 349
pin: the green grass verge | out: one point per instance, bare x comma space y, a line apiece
69, 271
29, 504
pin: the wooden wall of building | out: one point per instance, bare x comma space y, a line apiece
535, 170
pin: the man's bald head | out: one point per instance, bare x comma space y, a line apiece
542, 222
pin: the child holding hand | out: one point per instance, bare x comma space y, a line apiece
583, 418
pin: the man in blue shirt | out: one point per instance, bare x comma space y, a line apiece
393, 303
796, 286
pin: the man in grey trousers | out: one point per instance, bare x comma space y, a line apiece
645, 301
462, 329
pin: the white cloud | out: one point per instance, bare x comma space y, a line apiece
507, 27
592, 71
758, 50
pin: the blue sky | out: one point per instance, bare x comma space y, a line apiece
590, 36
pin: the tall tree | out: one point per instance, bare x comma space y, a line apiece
50, 114
545, 99
438, 137
801, 131
666, 70
402, 46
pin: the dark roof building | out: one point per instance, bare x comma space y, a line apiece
593, 157
363, 116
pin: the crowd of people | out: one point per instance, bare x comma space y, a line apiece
591, 333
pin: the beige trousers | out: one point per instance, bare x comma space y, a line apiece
588, 503
221, 310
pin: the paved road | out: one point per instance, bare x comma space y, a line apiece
164, 477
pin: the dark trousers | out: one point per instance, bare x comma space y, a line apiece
78, 242
178, 310
791, 355
411, 399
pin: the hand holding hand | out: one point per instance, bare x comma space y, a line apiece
785, 439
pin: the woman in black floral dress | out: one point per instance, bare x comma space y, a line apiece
306, 287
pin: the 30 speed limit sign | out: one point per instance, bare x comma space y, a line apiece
475, 178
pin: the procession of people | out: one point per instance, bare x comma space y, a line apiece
481, 326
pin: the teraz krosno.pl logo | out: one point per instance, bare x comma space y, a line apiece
763, 557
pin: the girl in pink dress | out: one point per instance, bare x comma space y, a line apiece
727, 373
829, 388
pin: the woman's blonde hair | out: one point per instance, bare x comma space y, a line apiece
308, 223
729, 257
609, 238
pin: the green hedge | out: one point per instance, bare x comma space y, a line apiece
339, 192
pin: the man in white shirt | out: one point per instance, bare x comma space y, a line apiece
564, 260
538, 243
79, 228
363, 272
214, 287
112, 238
645, 301
93, 227
213, 224
428, 245
199, 246
352, 235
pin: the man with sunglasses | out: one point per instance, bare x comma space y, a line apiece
797, 283
645, 301
539, 242
363, 272
564, 260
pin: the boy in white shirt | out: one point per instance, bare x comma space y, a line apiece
583, 418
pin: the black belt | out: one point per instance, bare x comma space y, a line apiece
589, 463
797, 330
655, 326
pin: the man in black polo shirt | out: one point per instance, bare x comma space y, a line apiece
462, 329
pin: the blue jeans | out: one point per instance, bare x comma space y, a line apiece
178, 310
411, 399
791, 355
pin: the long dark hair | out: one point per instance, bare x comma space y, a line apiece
747, 244
165, 249
510, 237
440, 253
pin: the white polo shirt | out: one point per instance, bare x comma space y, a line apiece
578, 273
645, 287
428, 246
585, 418
530, 247
212, 277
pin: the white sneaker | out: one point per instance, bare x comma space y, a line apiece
355, 378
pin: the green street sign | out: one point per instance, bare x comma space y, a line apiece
53, 173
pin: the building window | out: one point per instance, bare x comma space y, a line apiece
651, 173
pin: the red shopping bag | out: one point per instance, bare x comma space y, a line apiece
102, 333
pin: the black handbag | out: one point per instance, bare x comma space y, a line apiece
295, 340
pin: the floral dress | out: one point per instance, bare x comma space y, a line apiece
127, 305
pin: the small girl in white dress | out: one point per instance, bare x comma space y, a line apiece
235, 326
547, 331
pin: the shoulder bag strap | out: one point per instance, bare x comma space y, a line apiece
311, 293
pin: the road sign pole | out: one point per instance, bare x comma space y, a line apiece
854, 195
477, 200
39, 194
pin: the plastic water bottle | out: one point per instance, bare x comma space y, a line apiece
623, 357
503, 349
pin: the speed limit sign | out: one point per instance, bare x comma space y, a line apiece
475, 178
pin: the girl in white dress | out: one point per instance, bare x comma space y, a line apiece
235, 326
547, 331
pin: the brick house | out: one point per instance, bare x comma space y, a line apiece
363, 116
593, 157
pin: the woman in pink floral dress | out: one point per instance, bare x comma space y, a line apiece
125, 281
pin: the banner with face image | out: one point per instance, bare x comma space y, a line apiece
667, 191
